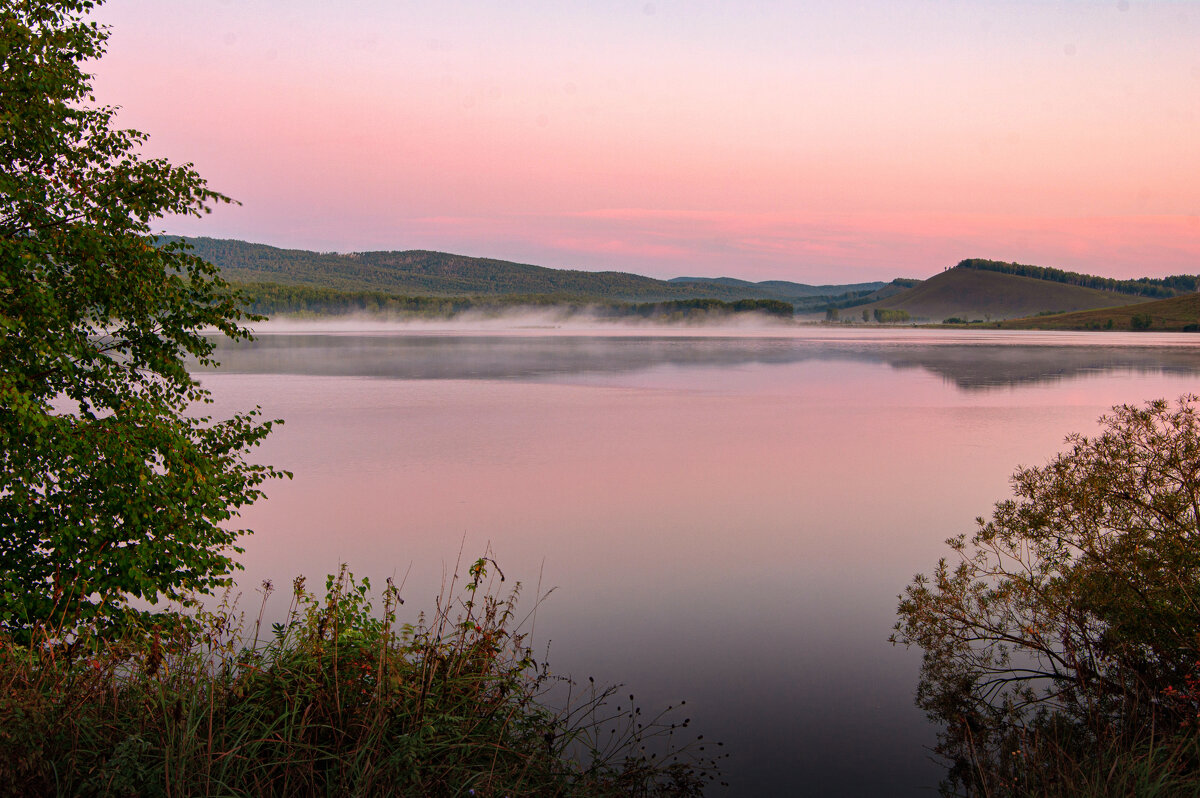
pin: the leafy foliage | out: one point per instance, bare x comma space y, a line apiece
1066, 631
108, 489
1141, 321
890, 316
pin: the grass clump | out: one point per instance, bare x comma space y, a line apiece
335, 700
1050, 760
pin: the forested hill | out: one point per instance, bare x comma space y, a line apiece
1155, 288
424, 273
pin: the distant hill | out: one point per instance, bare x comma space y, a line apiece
782, 288
852, 301
1152, 287
971, 293
439, 274
1181, 313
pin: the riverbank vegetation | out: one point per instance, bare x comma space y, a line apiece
337, 699
1061, 641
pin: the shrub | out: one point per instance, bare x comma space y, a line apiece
1063, 639
338, 700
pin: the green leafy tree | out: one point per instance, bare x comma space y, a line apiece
1141, 321
1066, 628
890, 316
109, 489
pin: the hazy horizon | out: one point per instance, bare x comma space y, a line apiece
816, 142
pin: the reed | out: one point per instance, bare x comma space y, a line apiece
337, 699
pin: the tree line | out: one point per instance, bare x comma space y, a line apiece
1159, 288
274, 298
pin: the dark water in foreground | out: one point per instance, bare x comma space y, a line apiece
726, 519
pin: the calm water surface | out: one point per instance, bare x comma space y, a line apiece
727, 518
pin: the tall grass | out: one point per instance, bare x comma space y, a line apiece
335, 700
1053, 758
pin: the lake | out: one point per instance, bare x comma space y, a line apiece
727, 515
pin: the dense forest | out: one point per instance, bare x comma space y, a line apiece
1158, 288
274, 298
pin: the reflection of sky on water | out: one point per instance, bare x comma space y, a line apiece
727, 520
977, 361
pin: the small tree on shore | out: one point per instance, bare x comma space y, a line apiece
1066, 628
108, 488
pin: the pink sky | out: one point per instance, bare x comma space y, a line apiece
823, 141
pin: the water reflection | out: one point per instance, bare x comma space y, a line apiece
980, 361
729, 518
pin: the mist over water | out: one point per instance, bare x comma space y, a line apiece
561, 320
727, 515
501, 350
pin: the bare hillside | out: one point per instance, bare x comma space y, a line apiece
974, 294
1181, 313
